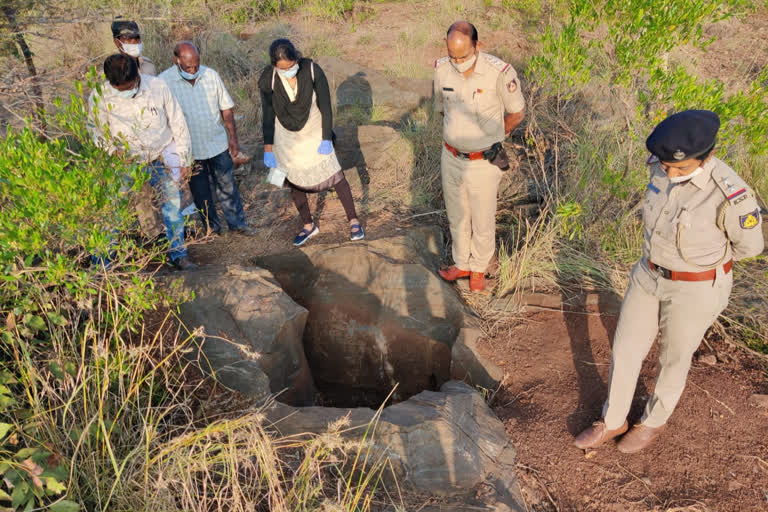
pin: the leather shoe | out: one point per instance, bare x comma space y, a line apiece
452, 273
638, 438
597, 434
184, 264
477, 281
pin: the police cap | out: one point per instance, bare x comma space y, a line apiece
684, 135
125, 28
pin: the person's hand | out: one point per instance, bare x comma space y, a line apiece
234, 148
269, 160
185, 173
326, 148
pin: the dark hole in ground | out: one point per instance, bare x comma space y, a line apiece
373, 323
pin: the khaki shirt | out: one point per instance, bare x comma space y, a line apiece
701, 223
474, 107
146, 66
147, 123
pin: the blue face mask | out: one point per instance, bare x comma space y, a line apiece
290, 72
188, 76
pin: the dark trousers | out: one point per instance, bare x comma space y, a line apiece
342, 189
217, 173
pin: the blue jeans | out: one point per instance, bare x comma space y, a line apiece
217, 172
162, 181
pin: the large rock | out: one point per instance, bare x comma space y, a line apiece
250, 332
354, 86
444, 443
379, 316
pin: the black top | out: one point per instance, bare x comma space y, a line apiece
293, 115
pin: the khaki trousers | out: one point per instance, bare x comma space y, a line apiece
682, 311
469, 189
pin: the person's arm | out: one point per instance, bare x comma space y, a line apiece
96, 121
437, 93
323, 93
509, 90
228, 117
178, 125
743, 225
227, 114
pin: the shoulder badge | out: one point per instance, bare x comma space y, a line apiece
495, 62
652, 160
750, 220
439, 62
730, 184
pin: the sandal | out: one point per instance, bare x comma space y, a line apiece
356, 232
305, 235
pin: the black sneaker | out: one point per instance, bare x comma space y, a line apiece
245, 230
184, 264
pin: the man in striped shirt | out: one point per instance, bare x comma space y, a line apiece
207, 107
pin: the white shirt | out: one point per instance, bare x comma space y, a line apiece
147, 123
202, 104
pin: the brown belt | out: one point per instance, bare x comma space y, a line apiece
672, 275
475, 155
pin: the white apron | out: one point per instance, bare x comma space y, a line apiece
296, 152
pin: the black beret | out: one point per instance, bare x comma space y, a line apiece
125, 28
684, 135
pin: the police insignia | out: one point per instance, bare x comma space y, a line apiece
750, 220
512, 86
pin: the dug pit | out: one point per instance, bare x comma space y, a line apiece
379, 319
333, 329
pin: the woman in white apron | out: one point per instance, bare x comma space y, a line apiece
298, 133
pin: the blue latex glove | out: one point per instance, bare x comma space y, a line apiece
269, 160
326, 148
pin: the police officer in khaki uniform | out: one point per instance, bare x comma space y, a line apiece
127, 38
699, 216
480, 99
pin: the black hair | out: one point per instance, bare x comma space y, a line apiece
120, 69
283, 49
466, 28
177, 48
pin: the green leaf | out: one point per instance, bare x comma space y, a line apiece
65, 506
56, 370
35, 322
25, 453
4, 428
19, 494
4, 496
54, 485
57, 319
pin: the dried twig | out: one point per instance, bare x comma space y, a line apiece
713, 398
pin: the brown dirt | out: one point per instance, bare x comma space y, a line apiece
713, 455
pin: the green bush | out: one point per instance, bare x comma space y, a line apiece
64, 321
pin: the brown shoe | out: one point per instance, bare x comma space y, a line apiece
638, 438
452, 273
476, 281
597, 434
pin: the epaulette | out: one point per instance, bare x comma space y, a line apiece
496, 62
439, 62
730, 184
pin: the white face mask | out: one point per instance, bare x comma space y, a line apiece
464, 66
687, 177
132, 50
290, 72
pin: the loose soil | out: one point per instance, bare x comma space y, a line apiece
713, 455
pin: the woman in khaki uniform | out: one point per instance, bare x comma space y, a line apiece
698, 216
